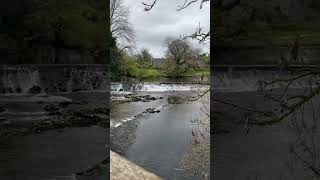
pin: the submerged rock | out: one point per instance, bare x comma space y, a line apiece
151, 110
135, 98
65, 104
50, 108
148, 97
175, 100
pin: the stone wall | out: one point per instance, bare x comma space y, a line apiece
121, 168
52, 78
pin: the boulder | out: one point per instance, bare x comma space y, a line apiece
175, 100
151, 110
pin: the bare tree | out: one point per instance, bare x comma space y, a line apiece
177, 50
180, 56
121, 28
199, 34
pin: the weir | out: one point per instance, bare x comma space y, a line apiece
35, 79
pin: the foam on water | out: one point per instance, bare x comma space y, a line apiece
124, 120
125, 88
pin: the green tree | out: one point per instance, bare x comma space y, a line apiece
45, 30
179, 57
144, 58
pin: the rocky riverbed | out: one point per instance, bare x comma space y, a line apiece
59, 135
153, 129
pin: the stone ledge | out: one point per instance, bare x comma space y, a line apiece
121, 168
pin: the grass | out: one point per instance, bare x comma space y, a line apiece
280, 35
198, 73
149, 73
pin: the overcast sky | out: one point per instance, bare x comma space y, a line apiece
163, 21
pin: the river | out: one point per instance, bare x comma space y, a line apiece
158, 141
266, 152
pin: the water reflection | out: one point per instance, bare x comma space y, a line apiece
278, 148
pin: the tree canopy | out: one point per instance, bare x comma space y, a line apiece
71, 24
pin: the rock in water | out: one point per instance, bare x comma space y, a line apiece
35, 90
151, 110
175, 100
51, 108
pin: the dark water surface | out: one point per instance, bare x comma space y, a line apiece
158, 142
264, 152
52, 154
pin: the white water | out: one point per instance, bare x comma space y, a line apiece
23, 79
20, 80
114, 124
121, 88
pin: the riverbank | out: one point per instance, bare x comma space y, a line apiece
52, 134
251, 148
156, 140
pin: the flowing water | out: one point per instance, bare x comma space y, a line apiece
158, 142
261, 152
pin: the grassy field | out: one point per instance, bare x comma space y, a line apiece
149, 73
146, 73
279, 35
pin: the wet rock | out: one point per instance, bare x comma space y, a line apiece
175, 100
101, 111
50, 108
148, 97
136, 98
64, 104
145, 100
35, 90
151, 110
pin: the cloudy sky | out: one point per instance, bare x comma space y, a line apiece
163, 21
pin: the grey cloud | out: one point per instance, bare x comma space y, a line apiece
164, 21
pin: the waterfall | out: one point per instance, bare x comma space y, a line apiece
19, 80
36, 79
118, 88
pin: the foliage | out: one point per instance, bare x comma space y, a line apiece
260, 22
180, 57
206, 59
72, 24
115, 62
144, 58
130, 67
